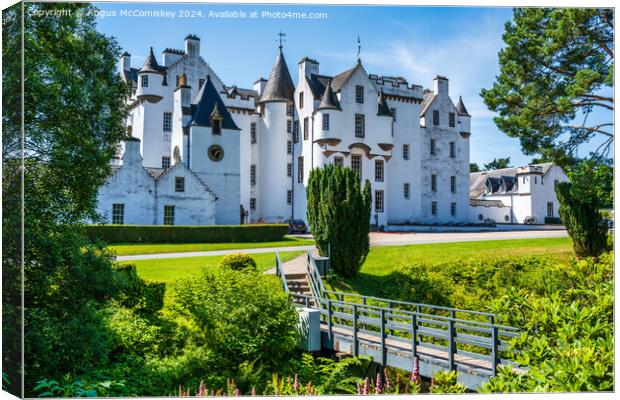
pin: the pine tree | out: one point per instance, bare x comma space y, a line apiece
338, 211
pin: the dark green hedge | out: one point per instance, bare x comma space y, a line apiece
186, 234
553, 220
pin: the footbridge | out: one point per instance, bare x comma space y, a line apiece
395, 332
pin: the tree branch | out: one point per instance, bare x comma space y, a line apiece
593, 129
596, 97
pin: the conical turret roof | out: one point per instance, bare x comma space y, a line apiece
150, 64
383, 107
329, 101
460, 107
208, 105
279, 86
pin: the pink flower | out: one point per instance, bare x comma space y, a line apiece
201, 389
379, 386
388, 384
237, 392
366, 388
415, 373
296, 384
253, 391
359, 388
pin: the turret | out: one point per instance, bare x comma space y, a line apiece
279, 86
150, 80
464, 119
192, 45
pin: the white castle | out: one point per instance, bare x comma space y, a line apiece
203, 153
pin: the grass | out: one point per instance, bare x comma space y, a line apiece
156, 248
384, 264
169, 270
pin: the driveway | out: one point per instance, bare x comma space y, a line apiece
376, 239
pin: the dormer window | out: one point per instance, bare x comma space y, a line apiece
359, 94
144, 81
216, 126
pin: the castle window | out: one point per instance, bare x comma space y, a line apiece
393, 112
289, 126
356, 164
434, 208
165, 162
550, 209
253, 204
453, 184
252, 174
453, 209
144, 81
289, 169
432, 147
300, 169
301, 99
178, 77
405, 151
216, 126
289, 147
359, 94
435, 117
179, 184
339, 161
167, 122
118, 213
325, 122
289, 197
185, 100
306, 126
406, 190
168, 215
200, 83
452, 150
378, 170
296, 131
253, 132
379, 200
451, 120
289, 110
360, 127
433, 183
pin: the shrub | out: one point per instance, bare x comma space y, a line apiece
242, 316
339, 216
238, 262
186, 234
579, 211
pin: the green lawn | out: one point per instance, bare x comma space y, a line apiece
170, 269
384, 265
155, 248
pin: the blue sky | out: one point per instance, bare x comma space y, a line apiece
414, 42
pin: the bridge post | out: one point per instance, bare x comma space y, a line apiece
494, 350
451, 345
383, 349
355, 343
390, 305
414, 334
329, 322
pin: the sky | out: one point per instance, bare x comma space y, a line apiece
416, 43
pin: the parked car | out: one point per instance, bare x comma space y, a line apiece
296, 226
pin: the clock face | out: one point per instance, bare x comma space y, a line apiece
215, 152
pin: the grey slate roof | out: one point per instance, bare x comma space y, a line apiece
383, 107
151, 65
428, 97
460, 108
329, 101
318, 82
504, 180
208, 102
131, 75
279, 86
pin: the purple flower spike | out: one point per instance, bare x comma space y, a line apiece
379, 386
366, 388
415, 373
296, 384
388, 384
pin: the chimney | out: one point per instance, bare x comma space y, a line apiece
308, 66
132, 154
259, 85
441, 85
125, 62
192, 45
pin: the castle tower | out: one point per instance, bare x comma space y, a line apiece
464, 119
150, 80
275, 164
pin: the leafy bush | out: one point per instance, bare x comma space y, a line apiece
135, 293
567, 339
238, 262
186, 234
339, 216
242, 316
